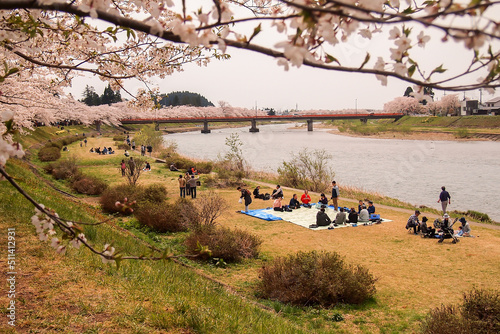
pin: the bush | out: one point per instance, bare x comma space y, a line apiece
142, 195
479, 313
316, 278
156, 193
204, 167
57, 144
119, 138
462, 133
123, 146
89, 185
180, 162
49, 153
64, 170
160, 217
111, 195
224, 243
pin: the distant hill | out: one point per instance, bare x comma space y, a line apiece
184, 99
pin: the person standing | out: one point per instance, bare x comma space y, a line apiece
245, 196
187, 177
444, 198
182, 186
123, 167
85, 141
335, 195
131, 165
192, 185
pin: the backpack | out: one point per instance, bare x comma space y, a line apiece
267, 196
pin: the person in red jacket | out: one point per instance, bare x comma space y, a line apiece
306, 199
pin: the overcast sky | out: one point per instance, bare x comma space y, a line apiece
249, 79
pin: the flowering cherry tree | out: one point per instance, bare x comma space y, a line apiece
449, 104
407, 105
137, 39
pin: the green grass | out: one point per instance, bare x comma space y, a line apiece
192, 301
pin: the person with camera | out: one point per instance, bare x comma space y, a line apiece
413, 222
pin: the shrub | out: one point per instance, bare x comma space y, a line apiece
140, 194
462, 133
204, 167
479, 313
224, 243
89, 185
180, 162
64, 170
111, 195
49, 153
119, 138
187, 212
156, 193
316, 278
57, 144
161, 217
123, 146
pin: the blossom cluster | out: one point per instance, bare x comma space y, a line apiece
307, 32
8, 149
45, 228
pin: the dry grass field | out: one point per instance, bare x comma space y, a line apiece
414, 274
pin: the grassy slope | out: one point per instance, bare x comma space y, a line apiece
411, 271
76, 293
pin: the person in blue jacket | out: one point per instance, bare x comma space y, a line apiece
371, 207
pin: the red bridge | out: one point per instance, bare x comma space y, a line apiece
254, 119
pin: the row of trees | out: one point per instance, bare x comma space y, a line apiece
184, 99
448, 105
109, 96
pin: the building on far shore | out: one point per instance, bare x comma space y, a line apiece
473, 107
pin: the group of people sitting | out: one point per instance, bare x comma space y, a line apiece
417, 226
105, 150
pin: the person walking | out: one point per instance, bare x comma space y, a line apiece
182, 186
335, 195
444, 198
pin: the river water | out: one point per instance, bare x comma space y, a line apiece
410, 170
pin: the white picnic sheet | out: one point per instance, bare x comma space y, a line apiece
307, 216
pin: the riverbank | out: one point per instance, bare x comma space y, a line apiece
146, 297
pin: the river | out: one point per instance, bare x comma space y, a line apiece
410, 170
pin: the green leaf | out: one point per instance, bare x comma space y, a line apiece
438, 69
331, 59
256, 31
408, 10
411, 70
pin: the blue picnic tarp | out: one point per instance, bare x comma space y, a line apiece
259, 213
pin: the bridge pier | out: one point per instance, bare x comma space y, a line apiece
364, 120
254, 128
205, 127
309, 125
157, 126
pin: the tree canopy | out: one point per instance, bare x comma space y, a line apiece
184, 98
140, 39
